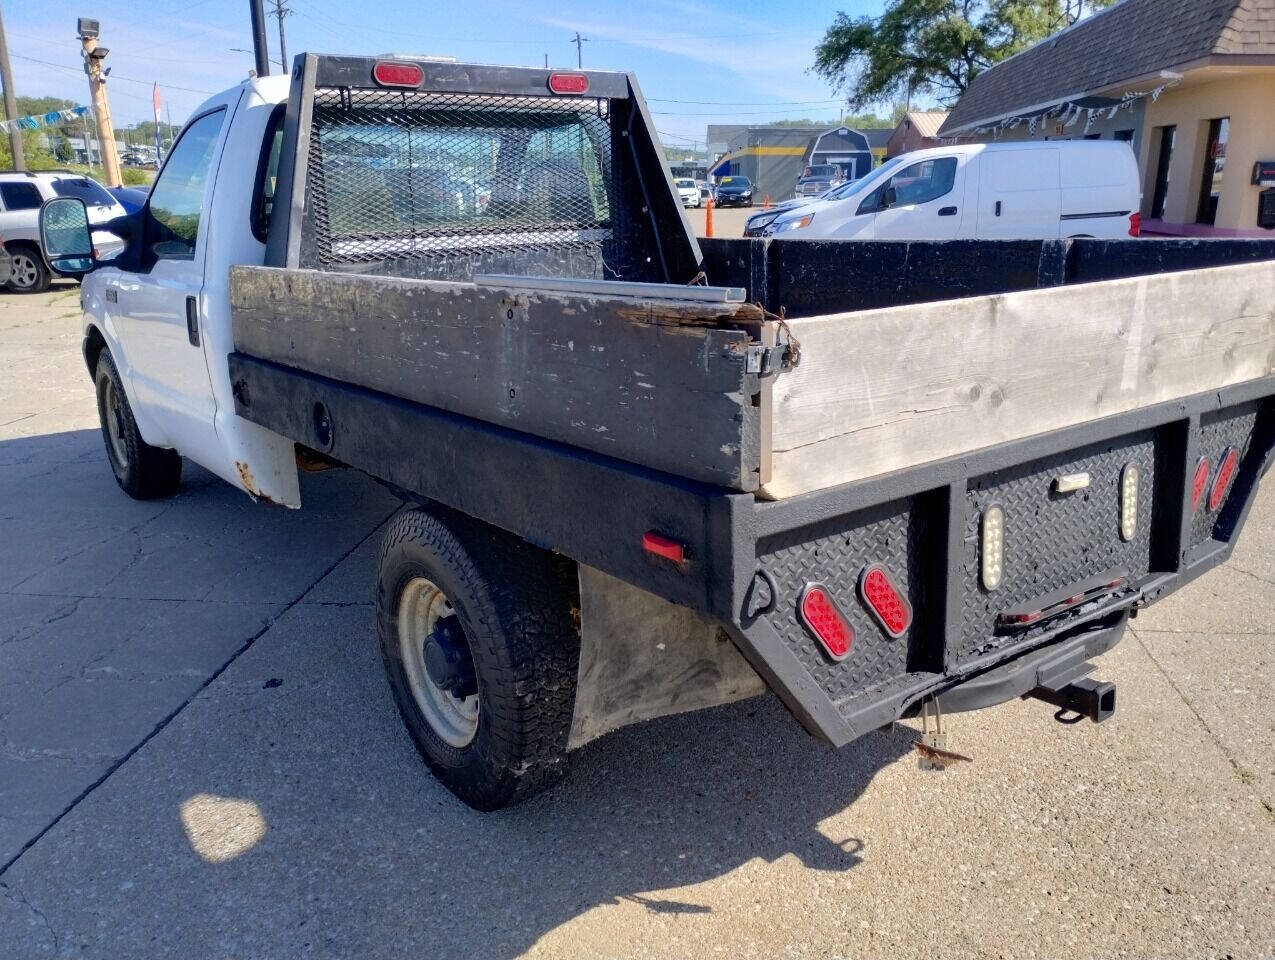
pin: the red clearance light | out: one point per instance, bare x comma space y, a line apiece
662, 546
1135, 224
390, 74
822, 618
1225, 472
1021, 618
887, 604
568, 83
1200, 482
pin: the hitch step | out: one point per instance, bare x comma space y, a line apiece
1095, 699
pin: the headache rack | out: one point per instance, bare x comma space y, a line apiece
474, 170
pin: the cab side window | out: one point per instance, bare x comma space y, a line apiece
177, 199
267, 175
924, 181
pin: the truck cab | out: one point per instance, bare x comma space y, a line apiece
162, 308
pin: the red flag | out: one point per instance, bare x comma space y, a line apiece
159, 146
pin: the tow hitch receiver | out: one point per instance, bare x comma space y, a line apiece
1094, 699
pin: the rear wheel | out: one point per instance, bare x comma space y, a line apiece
30, 275
481, 651
142, 471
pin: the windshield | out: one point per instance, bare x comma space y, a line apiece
734, 182
872, 179
84, 188
822, 170
689, 184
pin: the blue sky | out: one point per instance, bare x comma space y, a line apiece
699, 62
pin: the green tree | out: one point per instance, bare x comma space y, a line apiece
38, 156
933, 46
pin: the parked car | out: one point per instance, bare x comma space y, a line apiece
737, 191
131, 199
22, 194
758, 222
705, 190
984, 191
688, 191
817, 179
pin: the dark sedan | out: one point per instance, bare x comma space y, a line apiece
733, 191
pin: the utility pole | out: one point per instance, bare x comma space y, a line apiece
10, 103
260, 50
546, 61
93, 57
579, 41
280, 11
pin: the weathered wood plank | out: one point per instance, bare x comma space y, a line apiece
655, 382
886, 389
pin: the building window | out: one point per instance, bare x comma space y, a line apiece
1167, 136
1125, 135
1214, 162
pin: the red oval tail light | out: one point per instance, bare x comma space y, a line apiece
391, 74
568, 83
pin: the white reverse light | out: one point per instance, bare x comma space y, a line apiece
993, 547
1128, 501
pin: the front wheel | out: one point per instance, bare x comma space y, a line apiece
481, 652
142, 471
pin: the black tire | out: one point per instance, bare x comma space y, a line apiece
142, 471
515, 604
30, 272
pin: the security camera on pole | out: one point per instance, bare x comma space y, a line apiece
93, 57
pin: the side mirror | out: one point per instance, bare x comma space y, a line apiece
65, 237
889, 198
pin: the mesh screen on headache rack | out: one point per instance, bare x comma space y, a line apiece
407, 175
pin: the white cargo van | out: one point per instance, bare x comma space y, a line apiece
983, 191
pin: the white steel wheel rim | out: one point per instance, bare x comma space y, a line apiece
454, 719
25, 272
113, 418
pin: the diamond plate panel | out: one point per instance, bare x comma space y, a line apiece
835, 553
1053, 540
1216, 434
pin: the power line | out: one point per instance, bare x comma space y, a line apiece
113, 76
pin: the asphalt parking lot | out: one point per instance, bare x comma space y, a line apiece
199, 758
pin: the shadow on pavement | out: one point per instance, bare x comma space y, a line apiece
283, 811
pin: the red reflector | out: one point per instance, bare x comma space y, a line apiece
1225, 471
822, 618
662, 546
389, 74
1199, 483
1021, 617
568, 83
1074, 599
1135, 224
884, 600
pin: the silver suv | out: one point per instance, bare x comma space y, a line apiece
22, 195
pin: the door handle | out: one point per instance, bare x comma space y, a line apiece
947, 211
192, 321
998, 208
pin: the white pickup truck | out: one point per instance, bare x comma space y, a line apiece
888, 476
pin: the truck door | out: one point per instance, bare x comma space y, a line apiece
157, 306
1018, 195
926, 202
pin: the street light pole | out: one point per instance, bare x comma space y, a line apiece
93, 57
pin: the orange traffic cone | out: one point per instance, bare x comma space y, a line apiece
708, 217
765, 203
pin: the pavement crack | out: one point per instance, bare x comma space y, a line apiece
15, 897
1221, 745
132, 751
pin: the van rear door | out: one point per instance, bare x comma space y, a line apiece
1018, 195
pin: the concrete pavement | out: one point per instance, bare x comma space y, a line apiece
199, 758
